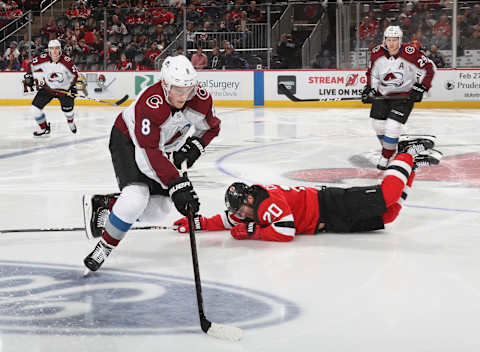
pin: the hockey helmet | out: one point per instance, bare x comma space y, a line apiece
236, 196
54, 43
393, 32
178, 71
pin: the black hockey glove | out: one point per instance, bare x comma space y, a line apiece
416, 93
28, 77
190, 151
367, 94
73, 91
182, 193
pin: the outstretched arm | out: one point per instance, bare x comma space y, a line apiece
219, 222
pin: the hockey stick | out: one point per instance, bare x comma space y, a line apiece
224, 332
288, 93
60, 229
66, 92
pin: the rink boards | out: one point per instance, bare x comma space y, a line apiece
451, 88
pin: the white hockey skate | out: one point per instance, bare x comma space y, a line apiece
415, 144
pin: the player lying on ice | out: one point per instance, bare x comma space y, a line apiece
274, 213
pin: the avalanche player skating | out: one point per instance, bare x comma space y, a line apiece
275, 213
58, 72
148, 144
393, 71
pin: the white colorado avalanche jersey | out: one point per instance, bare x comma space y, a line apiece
55, 75
391, 75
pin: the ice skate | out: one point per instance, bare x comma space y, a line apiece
43, 132
414, 144
95, 259
72, 127
382, 163
427, 158
96, 209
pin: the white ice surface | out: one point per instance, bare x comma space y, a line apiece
414, 286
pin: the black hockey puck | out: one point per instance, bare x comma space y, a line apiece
97, 90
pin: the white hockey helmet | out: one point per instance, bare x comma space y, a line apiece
393, 32
54, 43
178, 71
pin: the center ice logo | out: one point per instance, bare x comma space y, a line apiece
53, 299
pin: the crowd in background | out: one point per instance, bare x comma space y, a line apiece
138, 31
425, 24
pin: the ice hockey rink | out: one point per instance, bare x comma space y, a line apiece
414, 286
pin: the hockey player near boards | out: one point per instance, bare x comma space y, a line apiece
149, 142
393, 71
58, 72
276, 213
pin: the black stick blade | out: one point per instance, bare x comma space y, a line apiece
121, 101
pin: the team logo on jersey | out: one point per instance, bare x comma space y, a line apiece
394, 79
450, 85
55, 77
38, 298
452, 169
202, 93
154, 101
409, 50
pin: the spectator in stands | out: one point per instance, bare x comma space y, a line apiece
231, 59
11, 50
49, 29
27, 44
368, 29
124, 64
222, 27
418, 40
162, 16
443, 27
199, 59
463, 27
436, 57
117, 27
178, 51
440, 41
213, 10
215, 62
253, 13
191, 40
152, 53
286, 50
12, 63
473, 43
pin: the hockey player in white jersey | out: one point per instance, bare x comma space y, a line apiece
393, 70
57, 72
170, 122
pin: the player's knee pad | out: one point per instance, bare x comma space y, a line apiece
131, 203
157, 209
35, 112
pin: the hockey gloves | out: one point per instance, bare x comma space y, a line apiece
28, 77
416, 93
367, 94
191, 151
246, 231
182, 193
199, 221
72, 91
